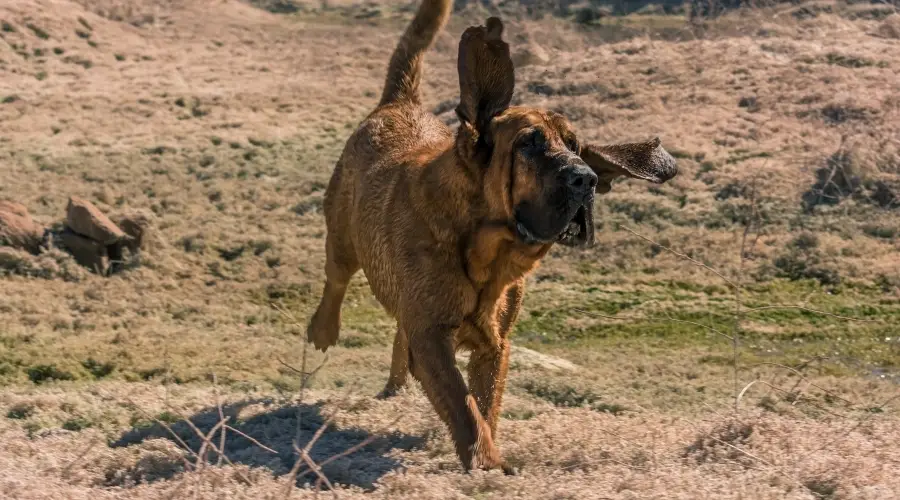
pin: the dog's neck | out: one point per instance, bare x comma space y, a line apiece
475, 216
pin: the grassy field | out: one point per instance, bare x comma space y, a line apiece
735, 333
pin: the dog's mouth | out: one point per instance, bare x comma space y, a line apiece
578, 231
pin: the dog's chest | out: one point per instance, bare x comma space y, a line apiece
494, 259
494, 262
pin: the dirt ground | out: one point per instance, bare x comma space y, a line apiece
748, 350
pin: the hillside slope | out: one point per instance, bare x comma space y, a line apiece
221, 122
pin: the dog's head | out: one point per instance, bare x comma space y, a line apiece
537, 174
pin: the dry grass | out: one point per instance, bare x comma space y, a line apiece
643, 455
222, 121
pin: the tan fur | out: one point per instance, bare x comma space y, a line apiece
429, 216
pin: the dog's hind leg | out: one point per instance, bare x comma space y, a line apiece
399, 366
340, 265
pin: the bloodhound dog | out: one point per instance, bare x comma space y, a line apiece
446, 224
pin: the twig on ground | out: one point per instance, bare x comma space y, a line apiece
352, 449
799, 399
178, 440
304, 454
221, 418
201, 455
738, 299
305, 376
251, 439
221, 453
746, 453
800, 374
741, 395
300, 371
292, 477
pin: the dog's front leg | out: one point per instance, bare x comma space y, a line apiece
432, 363
488, 366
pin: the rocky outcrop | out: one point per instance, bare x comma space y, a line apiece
87, 234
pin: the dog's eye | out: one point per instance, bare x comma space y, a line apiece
572, 144
535, 141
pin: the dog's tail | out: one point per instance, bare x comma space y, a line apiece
405, 70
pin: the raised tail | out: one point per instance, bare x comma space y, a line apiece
405, 71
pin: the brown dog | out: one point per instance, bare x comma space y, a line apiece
447, 225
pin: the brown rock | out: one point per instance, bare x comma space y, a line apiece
14, 208
137, 226
17, 229
87, 252
85, 219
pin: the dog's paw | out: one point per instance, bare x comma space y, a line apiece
509, 470
388, 392
322, 331
317, 341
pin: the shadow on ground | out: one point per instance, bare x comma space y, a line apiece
277, 429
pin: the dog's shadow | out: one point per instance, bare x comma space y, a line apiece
278, 430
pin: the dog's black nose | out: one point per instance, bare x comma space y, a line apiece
581, 180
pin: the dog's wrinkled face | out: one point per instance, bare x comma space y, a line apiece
536, 173
551, 188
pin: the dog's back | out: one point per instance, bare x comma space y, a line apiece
375, 163
398, 127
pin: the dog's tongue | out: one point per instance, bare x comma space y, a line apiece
589, 224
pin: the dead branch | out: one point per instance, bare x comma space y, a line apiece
251, 439
304, 454
221, 417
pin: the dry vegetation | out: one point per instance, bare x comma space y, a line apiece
221, 121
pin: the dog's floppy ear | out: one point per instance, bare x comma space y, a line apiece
640, 160
486, 76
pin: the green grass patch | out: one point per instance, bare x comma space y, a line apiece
848, 330
20, 412
76, 424
40, 374
98, 369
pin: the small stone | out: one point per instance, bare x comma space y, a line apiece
531, 54
85, 219
87, 252
17, 229
137, 226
